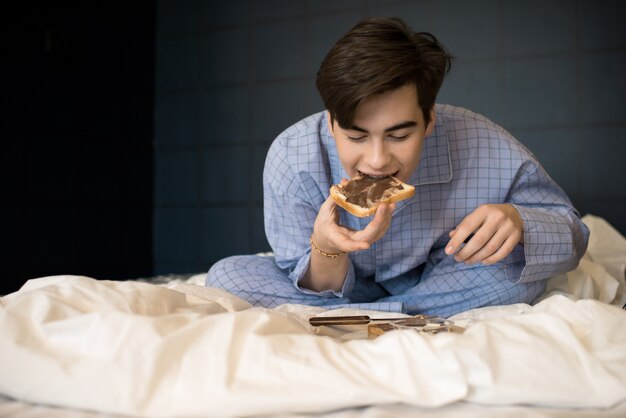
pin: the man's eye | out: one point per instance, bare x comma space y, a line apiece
398, 137
356, 138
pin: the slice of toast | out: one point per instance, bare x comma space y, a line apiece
361, 195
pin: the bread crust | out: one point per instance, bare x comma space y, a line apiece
362, 212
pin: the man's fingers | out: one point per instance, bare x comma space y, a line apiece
379, 224
463, 233
348, 244
496, 230
328, 203
504, 250
341, 238
382, 218
493, 245
485, 247
473, 245
465, 244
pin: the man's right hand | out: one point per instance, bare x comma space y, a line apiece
332, 237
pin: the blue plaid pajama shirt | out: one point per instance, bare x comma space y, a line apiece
466, 162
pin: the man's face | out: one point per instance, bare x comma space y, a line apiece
386, 137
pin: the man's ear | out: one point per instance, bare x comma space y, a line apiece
430, 128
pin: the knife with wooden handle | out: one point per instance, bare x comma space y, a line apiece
317, 321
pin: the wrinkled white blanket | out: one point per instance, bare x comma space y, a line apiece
141, 349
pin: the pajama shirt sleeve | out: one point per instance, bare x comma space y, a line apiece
291, 204
555, 238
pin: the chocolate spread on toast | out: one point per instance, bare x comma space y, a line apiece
366, 191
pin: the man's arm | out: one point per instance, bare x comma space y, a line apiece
331, 243
291, 208
539, 215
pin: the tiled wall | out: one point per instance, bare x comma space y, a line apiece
232, 75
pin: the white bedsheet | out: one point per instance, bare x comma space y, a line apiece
139, 349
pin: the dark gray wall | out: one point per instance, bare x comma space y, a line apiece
76, 132
232, 75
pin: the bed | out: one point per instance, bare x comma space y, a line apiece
73, 346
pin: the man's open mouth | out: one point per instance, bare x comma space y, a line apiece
377, 176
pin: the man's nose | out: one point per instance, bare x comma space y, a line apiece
377, 156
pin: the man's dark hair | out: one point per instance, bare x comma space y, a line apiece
379, 55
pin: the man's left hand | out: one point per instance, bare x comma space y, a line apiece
496, 229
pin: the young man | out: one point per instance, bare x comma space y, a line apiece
474, 183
